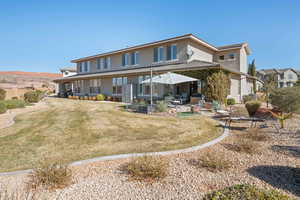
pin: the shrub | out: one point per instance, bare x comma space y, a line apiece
218, 86
100, 97
12, 104
51, 174
2, 108
161, 106
256, 135
286, 99
245, 192
230, 101
249, 97
2, 94
15, 98
252, 107
214, 162
33, 96
147, 168
245, 146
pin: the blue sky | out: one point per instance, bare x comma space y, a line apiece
45, 35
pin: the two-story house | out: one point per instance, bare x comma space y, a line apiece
286, 77
108, 72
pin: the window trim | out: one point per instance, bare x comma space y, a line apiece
231, 59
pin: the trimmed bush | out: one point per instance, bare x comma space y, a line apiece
2, 108
249, 97
12, 104
252, 107
214, 162
161, 106
100, 97
230, 101
147, 168
2, 94
32, 96
245, 192
51, 174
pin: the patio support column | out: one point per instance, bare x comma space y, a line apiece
151, 88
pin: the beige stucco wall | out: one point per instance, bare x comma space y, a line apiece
232, 64
200, 52
145, 57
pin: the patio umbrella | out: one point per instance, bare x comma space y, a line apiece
170, 79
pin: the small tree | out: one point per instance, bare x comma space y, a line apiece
269, 85
218, 86
287, 100
2, 94
252, 72
297, 84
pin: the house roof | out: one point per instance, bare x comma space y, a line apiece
157, 68
235, 46
178, 38
70, 69
278, 71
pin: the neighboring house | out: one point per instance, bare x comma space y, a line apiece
107, 73
286, 77
68, 71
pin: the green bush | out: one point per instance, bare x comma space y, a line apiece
252, 107
230, 101
100, 97
249, 97
33, 96
13, 103
2, 94
286, 99
245, 192
2, 108
161, 106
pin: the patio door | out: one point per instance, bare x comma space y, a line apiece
127, 93
193, 87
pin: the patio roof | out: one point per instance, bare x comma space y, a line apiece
158, 68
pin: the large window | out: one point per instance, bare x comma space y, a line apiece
95, 86
158, 54
78, 86
231, 56
172, 52
84, 66
135, 58
80, 67
117, 85
125, 59
144, 89
104, 63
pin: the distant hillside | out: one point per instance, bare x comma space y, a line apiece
19, 79
14, 82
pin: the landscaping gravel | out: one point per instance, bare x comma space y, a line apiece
275, 166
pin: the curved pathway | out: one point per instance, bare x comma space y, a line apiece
120, 156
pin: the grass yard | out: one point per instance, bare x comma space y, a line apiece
75, 130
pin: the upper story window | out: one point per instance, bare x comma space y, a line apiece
103, 63
172, 52
231, 56
158, 54
125, 59
221, 57
281, 76
135, 58
84, 66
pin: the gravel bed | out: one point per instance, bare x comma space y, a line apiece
275, 166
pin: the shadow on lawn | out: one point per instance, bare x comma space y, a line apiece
282, 177
287, 150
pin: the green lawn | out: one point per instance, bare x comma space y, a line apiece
75, 130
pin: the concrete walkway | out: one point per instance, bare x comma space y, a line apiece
120, 156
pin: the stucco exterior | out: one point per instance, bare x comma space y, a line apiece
188, 49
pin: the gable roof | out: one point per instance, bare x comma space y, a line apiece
278, 71
174, 39
70, 69
235, 46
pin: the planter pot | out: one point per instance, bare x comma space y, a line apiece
195, 109
85, 98
94, 98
